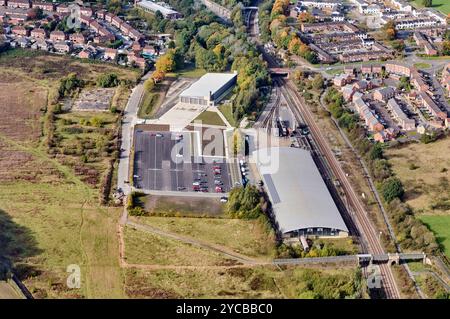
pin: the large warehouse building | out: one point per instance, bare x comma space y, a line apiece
210, 89
150, 6
301, 201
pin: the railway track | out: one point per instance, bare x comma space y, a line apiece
370, 239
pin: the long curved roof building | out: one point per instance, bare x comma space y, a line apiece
300, 198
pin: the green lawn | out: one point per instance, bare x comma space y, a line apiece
227, 111
189, 71
441, 5
149, 101
440, 225
210, 118
422, 65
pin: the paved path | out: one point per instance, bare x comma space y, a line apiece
128, 121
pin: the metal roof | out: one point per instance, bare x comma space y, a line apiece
156, 7
299, 196
210, 82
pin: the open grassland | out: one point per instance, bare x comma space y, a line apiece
440, 226
424, 170
258, 282
152, 249
441, 5
182, 206
49, 217
247, 237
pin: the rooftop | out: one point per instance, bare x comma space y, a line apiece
156, 7
208, 83
297, 191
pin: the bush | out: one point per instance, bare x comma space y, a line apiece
392, 188
107, 80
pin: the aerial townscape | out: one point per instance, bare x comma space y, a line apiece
225, 149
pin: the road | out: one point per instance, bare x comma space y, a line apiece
129, 120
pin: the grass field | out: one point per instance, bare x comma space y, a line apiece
425, 177
50, 217
257, 282
422, 66
441, 5
209, 118
227, 111
440, 225
151, 249
247, 237
182, 205
190, 71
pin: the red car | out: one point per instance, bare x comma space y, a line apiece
219, 189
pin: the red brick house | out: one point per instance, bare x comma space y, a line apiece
38, 34
57, 36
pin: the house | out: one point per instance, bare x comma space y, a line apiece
349, 70
116, 21
125, 28
38, 33
347, 92
85, 54
446, 78
399, 116
135, 35
23, 4
19, 31
87, 12
398, 68
62, 47
86, 20
366, 69
384, 94
57, 36
418, 82
133, 59
101, 14
45, 6
432, 107
63, 9
362, 85
23, 42
366, 114
40, 44
109, 17
341, 80
110, 54
77, 38
149, 50
136, 47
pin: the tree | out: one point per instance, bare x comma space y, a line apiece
446, 47
389, 31
391, 189
427, 3
376, 152
305, 17
107, 80
317, 82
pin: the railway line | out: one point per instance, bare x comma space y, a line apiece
370, 239
358, 221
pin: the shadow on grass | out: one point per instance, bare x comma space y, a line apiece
16, 244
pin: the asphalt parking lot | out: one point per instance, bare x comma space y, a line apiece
163, 163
